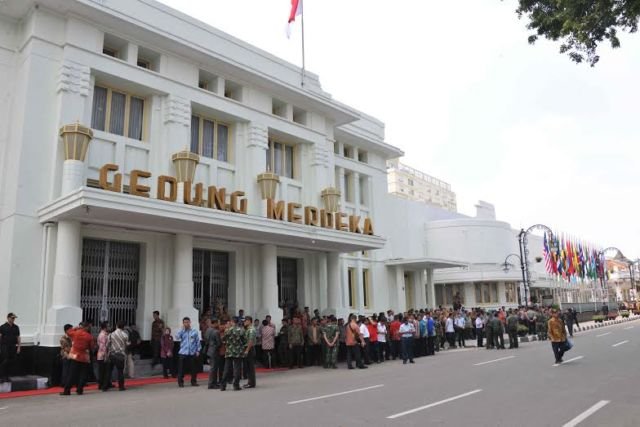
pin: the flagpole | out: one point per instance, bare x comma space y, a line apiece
303, 62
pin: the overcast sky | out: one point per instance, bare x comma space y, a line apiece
470, 102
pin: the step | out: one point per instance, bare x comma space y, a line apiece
24, 383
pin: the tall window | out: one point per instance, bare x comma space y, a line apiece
348, 187
486, 292
351, 277
510, 292
280, 159
209, 138
366, 287
117, 112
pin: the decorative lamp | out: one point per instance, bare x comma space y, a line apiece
185, 163
76, 140
268, 182
331, 198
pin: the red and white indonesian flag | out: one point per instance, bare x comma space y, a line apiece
296, 10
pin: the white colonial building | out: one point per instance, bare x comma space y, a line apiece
207, 174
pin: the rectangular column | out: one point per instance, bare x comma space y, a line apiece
65, 298
182, 291
269, 284
431, 290
401, 299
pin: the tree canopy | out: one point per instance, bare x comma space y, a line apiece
581, 25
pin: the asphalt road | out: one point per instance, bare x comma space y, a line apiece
454, 388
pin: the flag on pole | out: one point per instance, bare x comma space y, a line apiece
296, 10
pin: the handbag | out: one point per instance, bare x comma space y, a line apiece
568, 345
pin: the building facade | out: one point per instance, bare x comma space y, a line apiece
207, 176
409, 183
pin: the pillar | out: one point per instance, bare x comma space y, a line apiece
65, 295
72, 176
182, 291
401, 298
420, 291
431, 290
335, 305
269, 284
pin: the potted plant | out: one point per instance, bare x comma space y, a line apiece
522, 331
624, 313
598, 318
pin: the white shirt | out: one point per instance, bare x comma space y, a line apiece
407, 330
449, 325
364, 331
479, 322
382, 332
460, 322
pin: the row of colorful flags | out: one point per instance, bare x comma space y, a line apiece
572, 260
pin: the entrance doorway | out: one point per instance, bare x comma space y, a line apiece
288, 283
109, 281
210, 280
408, 290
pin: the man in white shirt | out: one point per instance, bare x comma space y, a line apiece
459, 329
364, 332
407, 331
479, 329
450, 332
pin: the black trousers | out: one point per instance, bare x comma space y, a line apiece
365, 352
213, 371
104, 374
167, 366
66, 366
558, 351
232, 367
513, 338
155, 347
118, 363
479, 335
395, 349
8, 357
353, 352
314, 354
77, 376
451, 339
190, 362
296, 356
460, 337
431, 348
250, 364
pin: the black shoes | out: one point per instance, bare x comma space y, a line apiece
65, 393
180, 385
195, 385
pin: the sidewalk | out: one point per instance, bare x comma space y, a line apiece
586, 326
130, 383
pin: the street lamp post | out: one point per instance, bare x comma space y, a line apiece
506, 267
524, 254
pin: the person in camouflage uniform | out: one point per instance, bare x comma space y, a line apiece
235, 341
498, 331
439, 333
330, 336
250, 352
488, 331
541, 326
323, 345
512, 329
296, 343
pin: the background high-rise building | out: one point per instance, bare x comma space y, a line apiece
409, 183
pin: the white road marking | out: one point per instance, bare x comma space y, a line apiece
630, 327
586, 414
431, 405
567, 361
3, 408
492, 361
326, 396
601, 335
620, 343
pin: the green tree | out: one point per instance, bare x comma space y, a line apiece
580, 24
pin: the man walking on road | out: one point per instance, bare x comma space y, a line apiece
557, 335
9, 346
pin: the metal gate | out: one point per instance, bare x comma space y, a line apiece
287, 281
109, 281
210, 279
